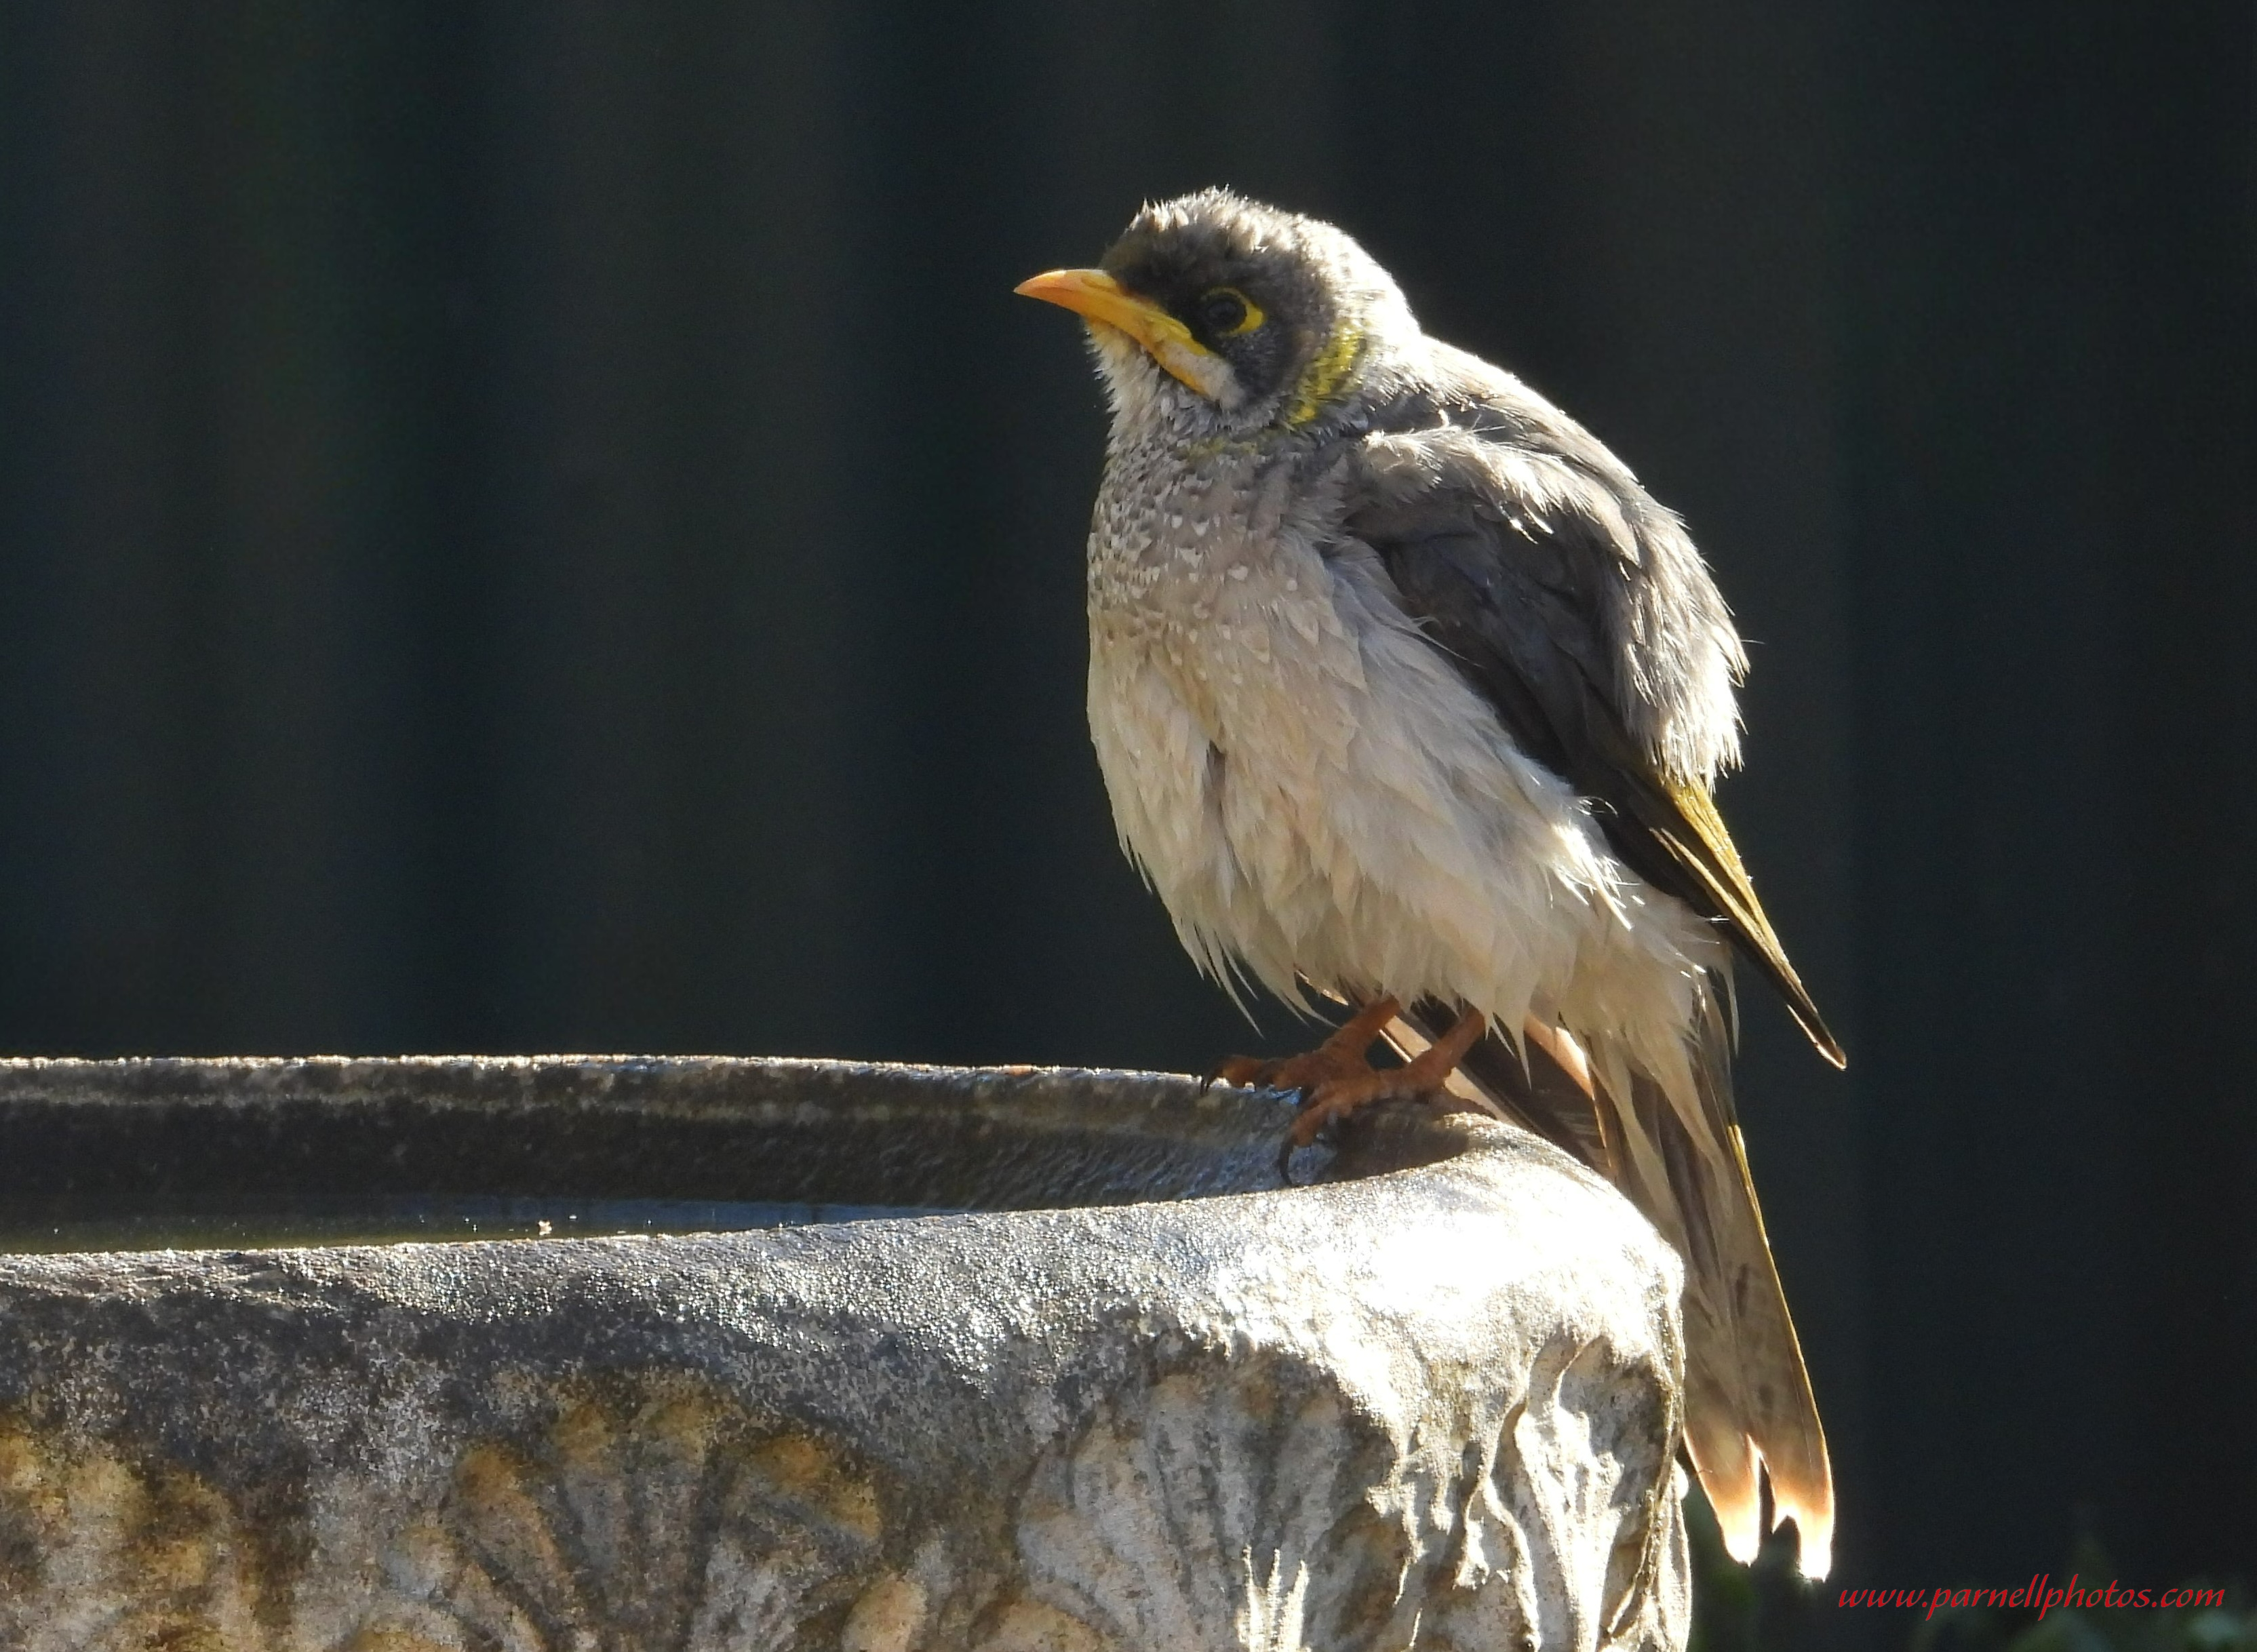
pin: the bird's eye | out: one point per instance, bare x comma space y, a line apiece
1226, 313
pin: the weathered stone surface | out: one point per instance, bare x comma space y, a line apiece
1429, 1401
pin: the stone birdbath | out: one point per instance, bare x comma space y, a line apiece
623, 1355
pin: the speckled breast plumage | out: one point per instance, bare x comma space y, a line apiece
1313, 791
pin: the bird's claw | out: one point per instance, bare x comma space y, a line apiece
1286, 1149
1334, 1079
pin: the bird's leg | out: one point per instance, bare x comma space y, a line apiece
1338, 1056
1421, 1078
1334, 1079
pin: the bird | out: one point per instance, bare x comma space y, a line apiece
1407, 694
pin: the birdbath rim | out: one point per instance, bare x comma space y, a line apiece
200, 1153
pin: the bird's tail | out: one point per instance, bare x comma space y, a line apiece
1748, 1399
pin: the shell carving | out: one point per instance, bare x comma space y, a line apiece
669, 1525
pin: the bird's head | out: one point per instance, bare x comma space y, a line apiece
1213, 316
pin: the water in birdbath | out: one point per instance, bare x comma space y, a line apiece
189, 1155
409, 1220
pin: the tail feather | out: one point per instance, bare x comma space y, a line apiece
1749, 1408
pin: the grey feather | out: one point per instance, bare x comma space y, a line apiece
1582, 611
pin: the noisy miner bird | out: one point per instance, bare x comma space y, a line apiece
1405, 691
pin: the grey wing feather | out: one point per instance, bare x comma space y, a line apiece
1580, 610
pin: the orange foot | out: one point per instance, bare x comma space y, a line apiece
1334, 1079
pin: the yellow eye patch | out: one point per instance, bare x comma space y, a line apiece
1228, 312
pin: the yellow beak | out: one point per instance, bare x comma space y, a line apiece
1097, 295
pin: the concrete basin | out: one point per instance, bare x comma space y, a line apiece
616, 1354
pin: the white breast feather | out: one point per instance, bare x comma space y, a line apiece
1315, 793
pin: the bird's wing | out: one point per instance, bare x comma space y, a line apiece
1534, 566
1535, 572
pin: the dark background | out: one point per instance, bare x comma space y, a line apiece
542, 526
